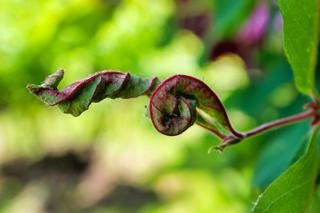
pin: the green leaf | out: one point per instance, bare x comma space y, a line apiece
301, 28
292, 191
276, 157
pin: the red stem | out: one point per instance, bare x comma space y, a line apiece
280, 122
233, 139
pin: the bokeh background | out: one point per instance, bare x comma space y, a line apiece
111, 159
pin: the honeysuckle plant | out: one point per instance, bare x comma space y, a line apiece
181, 101
175, 103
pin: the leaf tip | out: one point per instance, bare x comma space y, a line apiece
53, 80
34, 89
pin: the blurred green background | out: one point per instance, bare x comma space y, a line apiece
111, 159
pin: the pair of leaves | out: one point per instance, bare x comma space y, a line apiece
301, 25
293, 190
175, 104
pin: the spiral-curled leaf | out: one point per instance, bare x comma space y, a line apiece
180, 101
175, 104
77, 97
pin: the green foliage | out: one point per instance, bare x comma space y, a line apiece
275, 157
301, 35
293, 190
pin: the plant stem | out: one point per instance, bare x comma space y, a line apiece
278, 123
232, 139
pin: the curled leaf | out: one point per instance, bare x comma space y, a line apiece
175, 104
180, 101
77, 97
